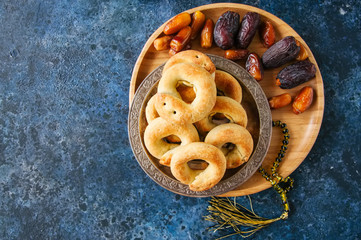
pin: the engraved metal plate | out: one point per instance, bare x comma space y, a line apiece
259, 125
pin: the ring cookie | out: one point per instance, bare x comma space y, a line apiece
198, 180
235, 134
169, 103
160, 128
231, 109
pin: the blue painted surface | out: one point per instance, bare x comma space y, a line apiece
66, 167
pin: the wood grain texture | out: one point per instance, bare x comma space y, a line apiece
303, 128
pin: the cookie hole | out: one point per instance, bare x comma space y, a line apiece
220, 93
172, 139
187, 93
174, 112
197, 164
229, 146
220, 118
164, 104
197, 56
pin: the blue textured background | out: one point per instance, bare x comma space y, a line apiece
66, 167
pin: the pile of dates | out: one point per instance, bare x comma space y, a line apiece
234, 35
183, 28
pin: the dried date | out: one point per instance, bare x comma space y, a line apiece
295, 74
302, 55
207, 34
249, 25
281, 52
267, 33
177, 23
280, 101
226, 29
236, 54
303, 100
171, 52
254, 66
162, 43
198, 19
181, 39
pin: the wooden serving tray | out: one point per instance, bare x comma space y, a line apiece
303, 128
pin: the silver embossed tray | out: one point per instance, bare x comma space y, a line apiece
259, 125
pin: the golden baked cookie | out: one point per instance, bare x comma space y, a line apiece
159, 128
169, 103
230, 108
231, 133
198, 180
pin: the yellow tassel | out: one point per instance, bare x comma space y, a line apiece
229, 214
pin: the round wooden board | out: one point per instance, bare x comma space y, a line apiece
303, 128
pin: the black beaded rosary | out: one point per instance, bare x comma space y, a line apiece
275, 179
229, 214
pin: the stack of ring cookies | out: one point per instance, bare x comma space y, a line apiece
196, 115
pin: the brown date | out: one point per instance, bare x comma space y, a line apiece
172, 52
280, 101
226, 29
303, 100
162, 43
267, 33
281, 52
207, 34
181, 39
254, 66
177, 23
198, 19
249, 25
303, 55
236, 54
187, 47
295, 74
